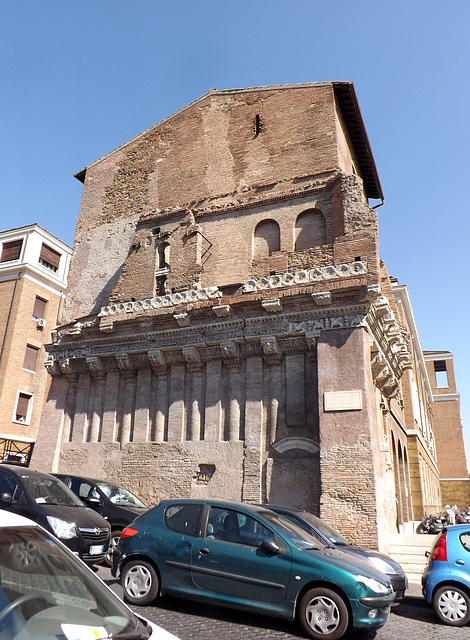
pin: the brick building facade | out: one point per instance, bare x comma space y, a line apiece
230, 329
454, 477
33, 277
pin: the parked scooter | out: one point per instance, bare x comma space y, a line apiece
432, 525
463, 517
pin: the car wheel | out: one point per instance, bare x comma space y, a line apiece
452, 606
24, 556
113, 543
323, 614
140, 582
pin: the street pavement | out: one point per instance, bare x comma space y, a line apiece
413, 619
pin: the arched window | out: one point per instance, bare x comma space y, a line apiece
310, 230
266, 239
163, 255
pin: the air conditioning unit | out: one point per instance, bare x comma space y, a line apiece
41, 323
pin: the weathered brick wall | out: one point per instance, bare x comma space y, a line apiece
208, 155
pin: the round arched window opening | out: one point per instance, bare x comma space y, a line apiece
266, 239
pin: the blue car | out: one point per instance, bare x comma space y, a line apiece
247, 557
446, 579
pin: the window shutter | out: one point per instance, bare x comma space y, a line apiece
30, 358
22, 405
11, 250
50, 256
39, 308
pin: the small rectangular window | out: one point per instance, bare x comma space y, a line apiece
11, 250
440, 372
23, 408
49, 258
39, 308
30, 358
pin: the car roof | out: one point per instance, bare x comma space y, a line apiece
85, 478
8, 519
22, 470
228, 504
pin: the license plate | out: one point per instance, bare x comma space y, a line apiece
96, 549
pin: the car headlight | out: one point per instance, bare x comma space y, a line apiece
374, 585
381, 565
62, 528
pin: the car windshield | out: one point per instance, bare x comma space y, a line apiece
121, 496
300, 538
46, 593
50, 490
333, 536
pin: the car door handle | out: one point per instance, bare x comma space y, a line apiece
460, 562
204, 551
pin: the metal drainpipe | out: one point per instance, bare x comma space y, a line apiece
9, 315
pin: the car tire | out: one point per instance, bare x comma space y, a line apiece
452, 605
113, 543
323, 614
140, 583
24, 557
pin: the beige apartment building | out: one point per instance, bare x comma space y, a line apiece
230, 329
33, 276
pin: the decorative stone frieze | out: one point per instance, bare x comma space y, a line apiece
304, 277
159, 302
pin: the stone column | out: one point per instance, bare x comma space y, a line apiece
275, 390
176, 403
129, 406
161, 410
233, 368
99, 379
213, 413
196, 371
142, 404
70, 402
252, 477
80, 422
110, 404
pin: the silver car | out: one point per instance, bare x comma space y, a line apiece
46, 592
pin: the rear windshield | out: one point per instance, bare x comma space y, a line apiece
121, 496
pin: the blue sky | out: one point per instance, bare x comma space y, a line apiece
77, 79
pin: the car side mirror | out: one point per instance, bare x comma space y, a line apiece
269, 546
92, 502
7, 498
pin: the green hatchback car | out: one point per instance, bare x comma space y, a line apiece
248, 557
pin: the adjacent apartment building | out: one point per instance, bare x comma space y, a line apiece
454, 477
33, 276
230, 329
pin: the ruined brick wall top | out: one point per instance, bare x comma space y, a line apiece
224, 144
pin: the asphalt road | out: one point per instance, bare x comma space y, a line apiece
413, 619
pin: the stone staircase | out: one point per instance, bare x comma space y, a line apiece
409, 550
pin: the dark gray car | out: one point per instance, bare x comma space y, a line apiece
46, 500
328, 535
